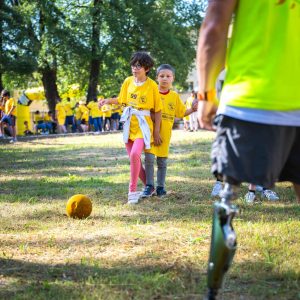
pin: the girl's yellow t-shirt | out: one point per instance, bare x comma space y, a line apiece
144, 97
172, 106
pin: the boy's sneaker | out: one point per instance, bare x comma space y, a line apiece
250, 197
148, 191
270, 195
160, 191
216, 189
133, 197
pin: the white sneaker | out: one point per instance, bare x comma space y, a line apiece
13, 141
216, 189
250, 197
133, 197
270, 195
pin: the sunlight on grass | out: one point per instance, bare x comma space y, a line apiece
155, 250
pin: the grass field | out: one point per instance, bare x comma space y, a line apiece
157, 249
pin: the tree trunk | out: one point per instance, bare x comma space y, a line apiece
1, 83
95, 52
50, 87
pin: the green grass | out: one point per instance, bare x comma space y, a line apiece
157, 249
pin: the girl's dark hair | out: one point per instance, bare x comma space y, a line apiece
5, 93
165, 67
143, 58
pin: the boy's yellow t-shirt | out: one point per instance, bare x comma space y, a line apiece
145, 97
95, 111
106, 110
68, 109
8, 105
84, 112
172, 106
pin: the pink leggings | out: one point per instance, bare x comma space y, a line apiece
134, 150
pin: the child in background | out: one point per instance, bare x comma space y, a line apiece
84, 121
9, 116
193, 120
69, 115
60, 115
77, 117
115, 116
107, 112
27, 131
96, 114
139, 94
172, 107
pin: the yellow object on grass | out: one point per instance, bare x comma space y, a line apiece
79, 206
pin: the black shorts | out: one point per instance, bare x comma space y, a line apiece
256, 153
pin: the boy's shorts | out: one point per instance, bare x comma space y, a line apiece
10, 120
256, 153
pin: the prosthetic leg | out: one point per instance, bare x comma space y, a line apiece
223, 240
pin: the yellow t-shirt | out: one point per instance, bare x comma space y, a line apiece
37, 118
95, 111
106, 110
47, 118
68, 109
263, 58
145, 97
8, 105
61, 113
84, 112
77, 113
172, 107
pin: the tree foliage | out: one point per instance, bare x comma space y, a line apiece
89, 42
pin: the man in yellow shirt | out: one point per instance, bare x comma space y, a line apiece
9, 116
258, 123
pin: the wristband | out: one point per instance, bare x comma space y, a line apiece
209, 96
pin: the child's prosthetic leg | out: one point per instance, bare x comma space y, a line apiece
223, 240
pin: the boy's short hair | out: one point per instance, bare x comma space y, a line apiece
165, 67
143, 58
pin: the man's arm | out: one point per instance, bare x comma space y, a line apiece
211, 52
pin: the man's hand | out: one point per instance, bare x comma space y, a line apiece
206, 113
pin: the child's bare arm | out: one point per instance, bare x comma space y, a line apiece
157, 124
102, 102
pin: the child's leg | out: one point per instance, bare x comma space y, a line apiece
134, 150
149, 168
161, 171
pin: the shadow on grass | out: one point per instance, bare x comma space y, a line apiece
127, 280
